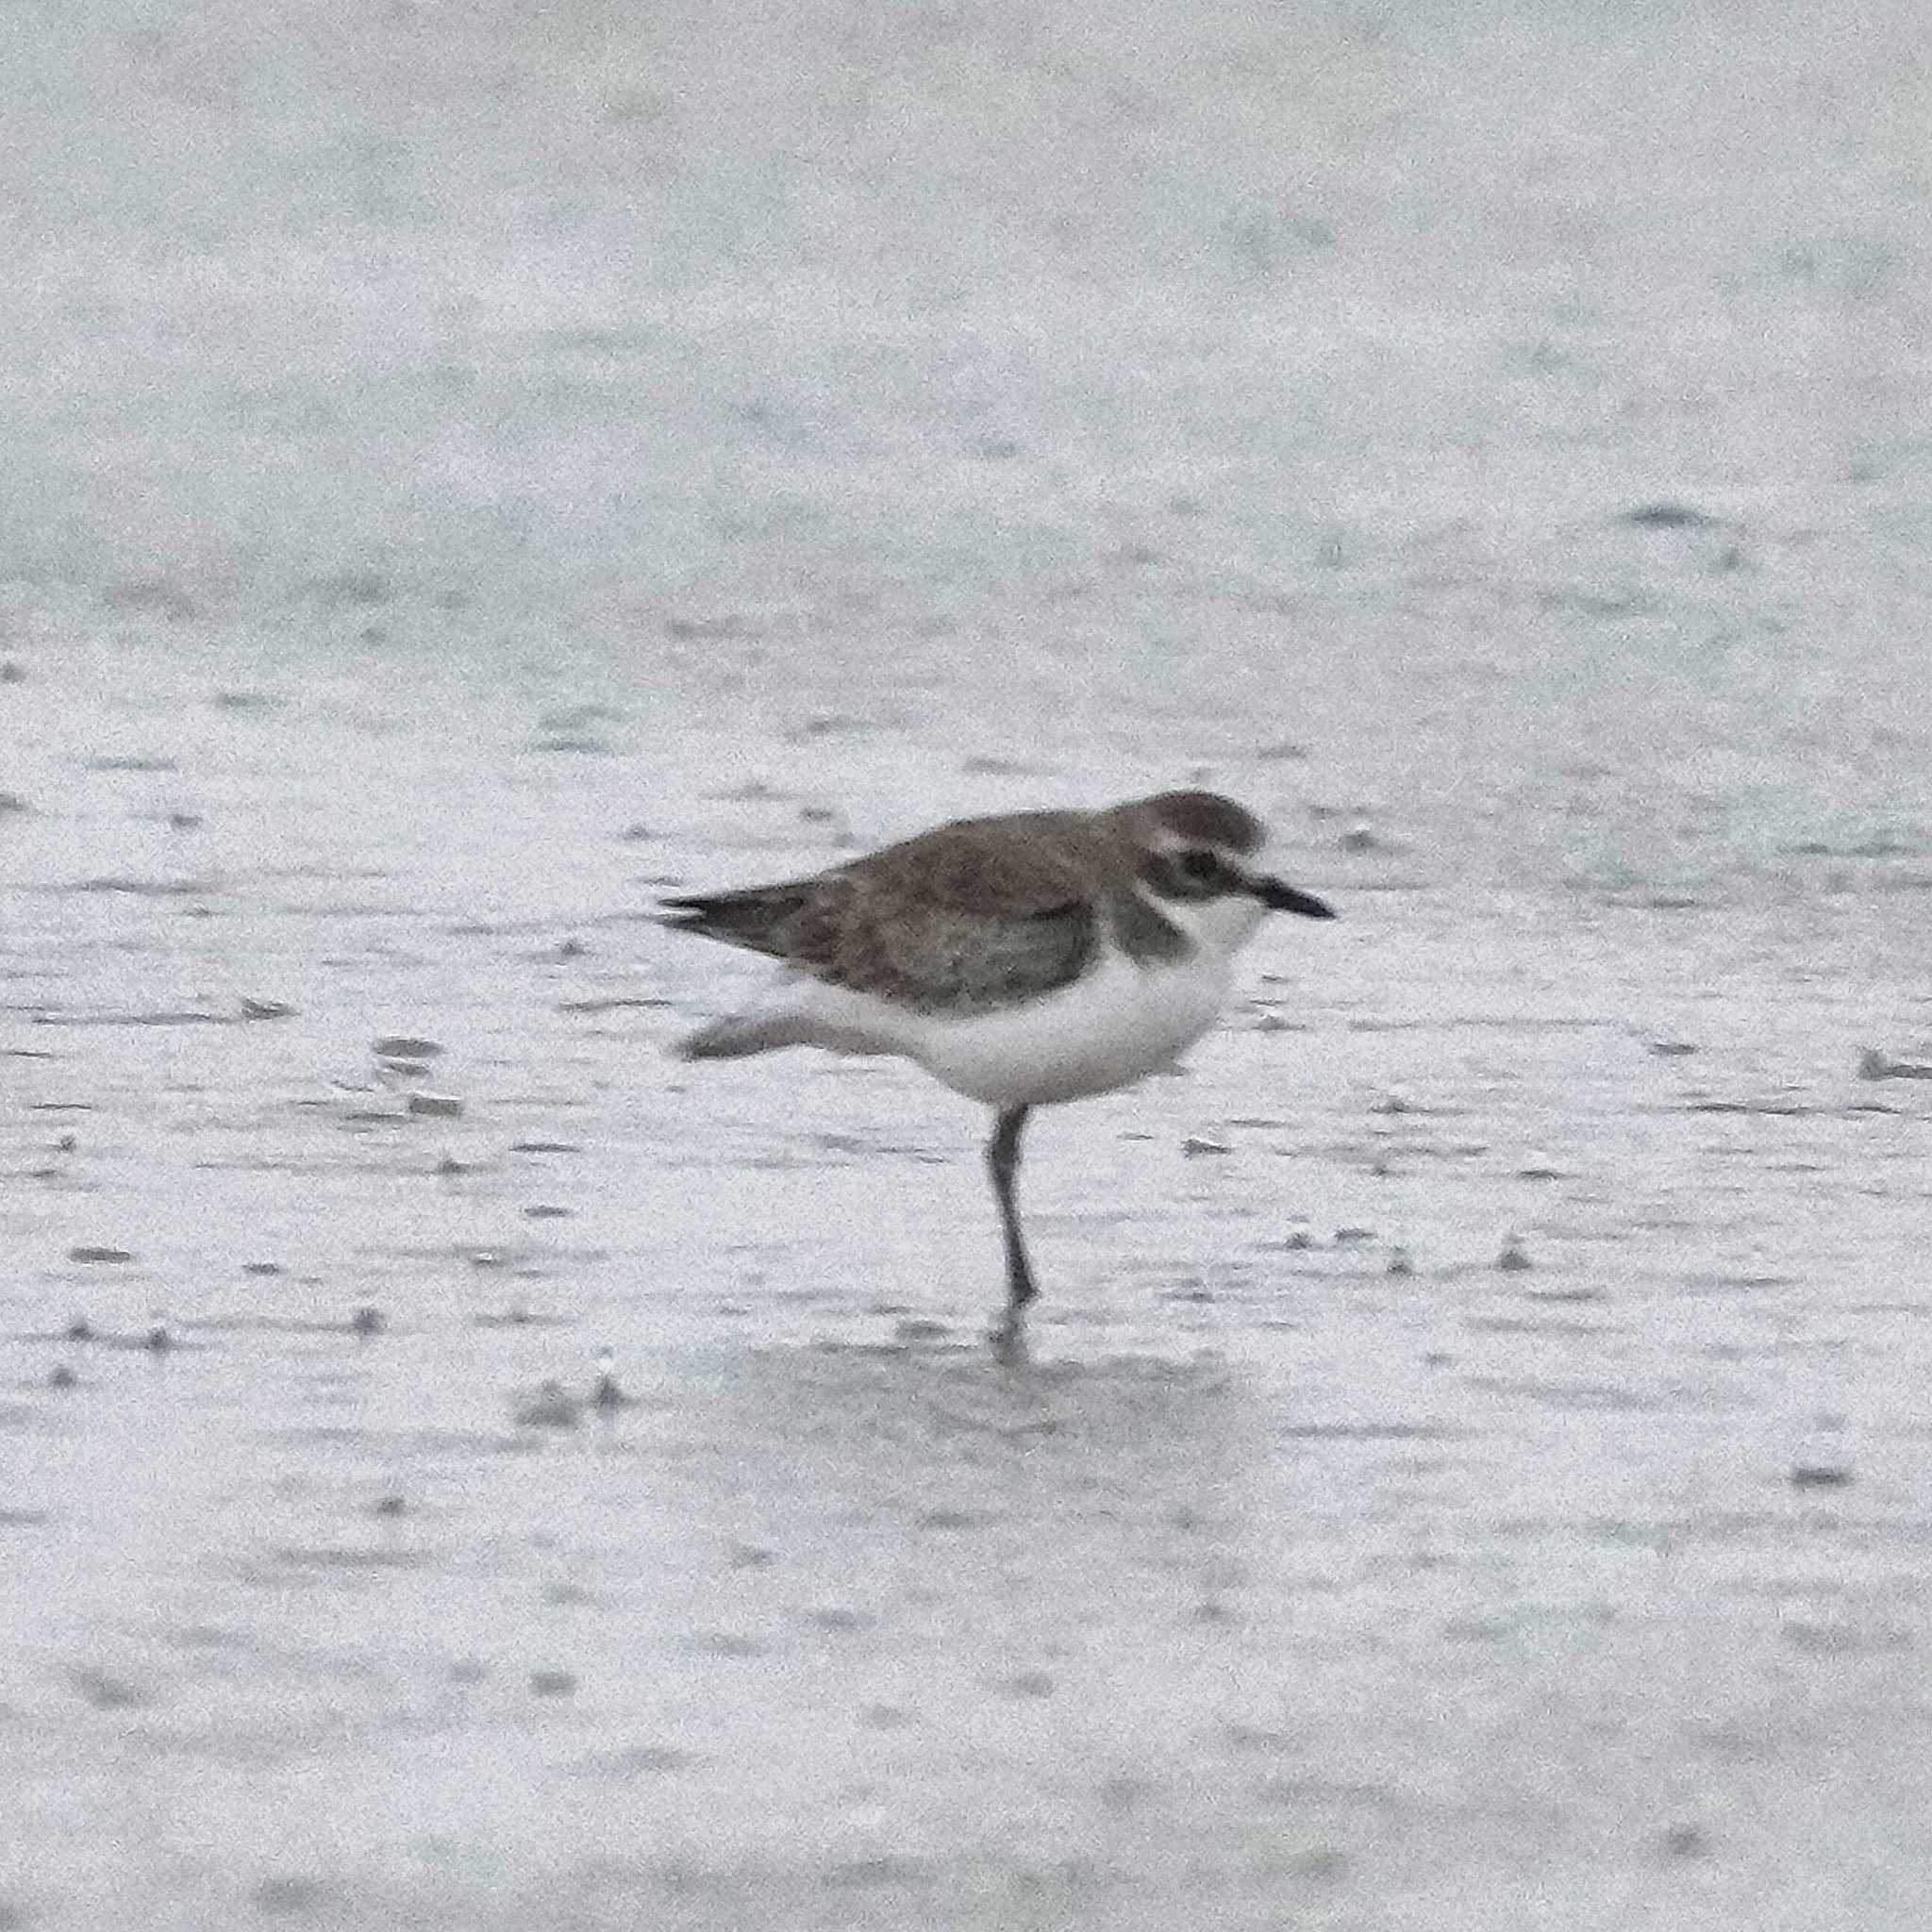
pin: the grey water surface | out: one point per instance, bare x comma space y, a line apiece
469, 469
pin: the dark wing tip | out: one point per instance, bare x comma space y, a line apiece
755, 918
701, 915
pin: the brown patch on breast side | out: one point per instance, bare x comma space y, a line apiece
1145, 935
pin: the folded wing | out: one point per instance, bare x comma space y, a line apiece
950, 918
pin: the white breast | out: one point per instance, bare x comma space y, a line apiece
1115, 1024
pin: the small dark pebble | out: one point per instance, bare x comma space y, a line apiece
80, 1330
1687, 1842
1668, 516
888, 1870
572, 741
1820, 1476
545, 1147
522, 1316
288, 1895
106, 1691
704, 626
918, 1328
158, 1340
67, 1143
837, 1618
449, 1165
367, 1320
722, 1643
614, 1005
391, 1505
86, 1253
61, 1376
134, 761
1320, 1862
550, 1406
1025, 1684
435, 1106
400, 1047
262, 1268
543, 1211
552, 1683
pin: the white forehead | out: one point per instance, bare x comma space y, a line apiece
1165, 839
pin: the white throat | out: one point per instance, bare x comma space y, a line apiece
1220, 927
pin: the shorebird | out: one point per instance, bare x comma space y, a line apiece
1023, 960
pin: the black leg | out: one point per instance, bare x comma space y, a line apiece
1003, 1163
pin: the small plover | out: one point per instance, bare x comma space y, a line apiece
1023, 960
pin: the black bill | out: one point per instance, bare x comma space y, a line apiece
1279, 897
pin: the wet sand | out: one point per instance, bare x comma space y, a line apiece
1471, 1468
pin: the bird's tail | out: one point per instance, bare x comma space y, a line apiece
751, 918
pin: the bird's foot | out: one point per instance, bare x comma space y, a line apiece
1008, 1338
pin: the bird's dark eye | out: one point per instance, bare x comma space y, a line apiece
1199, 865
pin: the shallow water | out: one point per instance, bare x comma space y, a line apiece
469, 475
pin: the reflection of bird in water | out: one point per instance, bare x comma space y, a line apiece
552, 1406
1023, 960
607, 1394
549, 1406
